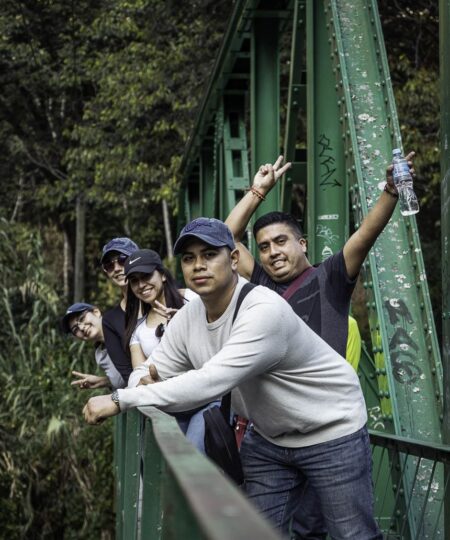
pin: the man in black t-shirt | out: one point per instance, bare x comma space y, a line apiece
322, 298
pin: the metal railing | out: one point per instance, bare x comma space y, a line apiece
411, 481
165, 489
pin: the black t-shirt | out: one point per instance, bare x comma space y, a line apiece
113, 330
322, 300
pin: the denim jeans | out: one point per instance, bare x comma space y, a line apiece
192, 425
308, 522
278, 479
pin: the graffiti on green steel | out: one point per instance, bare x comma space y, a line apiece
401, 344
327, 163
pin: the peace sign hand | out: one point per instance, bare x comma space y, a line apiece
268, 175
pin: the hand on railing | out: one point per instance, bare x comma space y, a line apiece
99, 408
151, 378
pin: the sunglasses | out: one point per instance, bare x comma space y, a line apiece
108, 266
75, 330
160, 329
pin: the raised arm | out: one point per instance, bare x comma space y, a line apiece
359, 244
264, 180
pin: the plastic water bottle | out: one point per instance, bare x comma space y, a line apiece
409, 204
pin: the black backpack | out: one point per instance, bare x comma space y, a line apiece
220, 439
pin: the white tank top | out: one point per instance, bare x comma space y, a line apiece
145, 336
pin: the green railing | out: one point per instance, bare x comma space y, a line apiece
411, 481
165, 489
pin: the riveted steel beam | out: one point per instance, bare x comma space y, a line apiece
265, 101
296, 101
444, 55
327, 182
403, 334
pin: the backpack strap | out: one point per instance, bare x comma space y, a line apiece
244, 291
295, 285
225, 405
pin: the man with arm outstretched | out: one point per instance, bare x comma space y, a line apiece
322, 298
320, 294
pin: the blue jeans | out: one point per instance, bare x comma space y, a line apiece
338, 472
308, 522
192, 425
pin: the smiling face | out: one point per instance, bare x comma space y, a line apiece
148, 287
87, 325
282, 253
209, 271
113, 266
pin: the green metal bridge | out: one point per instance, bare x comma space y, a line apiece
332, 113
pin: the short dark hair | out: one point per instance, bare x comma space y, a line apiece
278, 217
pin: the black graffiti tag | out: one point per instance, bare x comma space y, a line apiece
327, 163
404, 370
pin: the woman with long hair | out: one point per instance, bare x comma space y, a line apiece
153, 291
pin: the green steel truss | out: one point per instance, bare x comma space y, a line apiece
444, 53
336, 104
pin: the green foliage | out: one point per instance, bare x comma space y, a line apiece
55, 471
99, 98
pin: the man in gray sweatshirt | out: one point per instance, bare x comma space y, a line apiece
304, 399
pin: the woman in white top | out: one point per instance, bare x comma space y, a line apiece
153, 290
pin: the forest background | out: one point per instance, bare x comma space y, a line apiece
97, 102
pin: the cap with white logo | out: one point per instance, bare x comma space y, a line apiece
145, 261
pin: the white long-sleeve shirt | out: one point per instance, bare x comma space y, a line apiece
295, 388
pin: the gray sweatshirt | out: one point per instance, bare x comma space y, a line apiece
295, 388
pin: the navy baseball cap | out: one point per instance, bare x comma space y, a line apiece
210, 230
142, 260
122, 245
79, 307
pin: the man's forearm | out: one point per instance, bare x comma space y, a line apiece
264, 180
360, 243
378, 217
239, 217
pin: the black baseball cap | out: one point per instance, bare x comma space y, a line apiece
143, 260
122, 245
210, 230
79, 307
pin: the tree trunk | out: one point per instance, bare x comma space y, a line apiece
80, 241
66, 266
167, 230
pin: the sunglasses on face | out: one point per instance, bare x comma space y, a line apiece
108, 266
75, 329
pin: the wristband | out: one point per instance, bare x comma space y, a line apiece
257, 193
